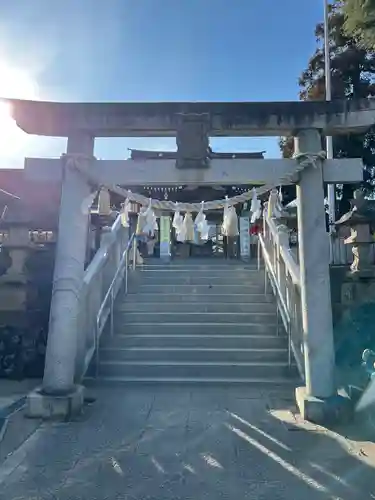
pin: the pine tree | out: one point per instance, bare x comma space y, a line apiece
353, 77
360, 21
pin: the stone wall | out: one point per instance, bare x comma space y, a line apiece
26, 273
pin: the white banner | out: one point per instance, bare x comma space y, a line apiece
245, 237
165, 237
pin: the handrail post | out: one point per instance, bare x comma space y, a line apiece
289, 333
97, 353
126, 272
134, 252
111, 313
258, 253
277, 317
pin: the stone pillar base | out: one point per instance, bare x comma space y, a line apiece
321, 411
49, 406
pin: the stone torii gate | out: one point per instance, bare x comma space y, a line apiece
191, 124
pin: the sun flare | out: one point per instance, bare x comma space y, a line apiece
14, 83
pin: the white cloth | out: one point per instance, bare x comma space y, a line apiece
230, 221
124, 214
178, 225
255, 208
151, 224
188, 227
201, 225
104, 202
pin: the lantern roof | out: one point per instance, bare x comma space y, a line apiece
362, 211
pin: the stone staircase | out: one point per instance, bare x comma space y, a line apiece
196, 322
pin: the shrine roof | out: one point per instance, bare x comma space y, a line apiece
160, 119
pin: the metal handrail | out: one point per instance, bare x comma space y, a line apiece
111, 294
267, 261
281, 305
276, 289
99, 258
123, 260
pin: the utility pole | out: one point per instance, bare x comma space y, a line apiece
329, 143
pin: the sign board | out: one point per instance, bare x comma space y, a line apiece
245, 237
165, 237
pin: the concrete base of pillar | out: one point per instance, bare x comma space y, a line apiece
334, 409
48, 406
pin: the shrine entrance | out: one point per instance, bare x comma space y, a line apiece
75, 302
216, 244
214, 247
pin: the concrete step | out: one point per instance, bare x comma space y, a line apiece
188, 328
249, 278
280, 382
208, 298
188, 370
193, 354
238, 272
195, 322
230, 318
197, 307
203, 341
195, 264
205, 288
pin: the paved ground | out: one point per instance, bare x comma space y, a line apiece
190, 443
13, 427
12, 390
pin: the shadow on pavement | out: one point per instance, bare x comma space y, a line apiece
190, 443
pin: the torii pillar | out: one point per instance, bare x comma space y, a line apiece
59, 396
318, 401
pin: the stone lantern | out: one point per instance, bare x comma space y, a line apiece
14, 288
16, 244
358, 220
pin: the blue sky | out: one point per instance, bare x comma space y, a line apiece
155, 50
